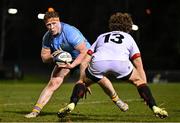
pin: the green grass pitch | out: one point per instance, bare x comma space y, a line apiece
18, 97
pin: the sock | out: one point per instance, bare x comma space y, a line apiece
145, 93
115, 98
37, 108
78, 92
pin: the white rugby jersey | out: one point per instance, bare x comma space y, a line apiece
115, 45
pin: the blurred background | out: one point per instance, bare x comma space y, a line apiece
158, 36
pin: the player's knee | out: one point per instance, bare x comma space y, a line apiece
136, 80
139, 82
54, 83
79, 81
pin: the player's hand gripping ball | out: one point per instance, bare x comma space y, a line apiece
63, 57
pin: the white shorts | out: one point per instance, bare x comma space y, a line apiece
119, 69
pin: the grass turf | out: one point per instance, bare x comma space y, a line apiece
18, 97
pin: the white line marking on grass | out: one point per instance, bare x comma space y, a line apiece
133, 100
81, 103
106, 101
11, 104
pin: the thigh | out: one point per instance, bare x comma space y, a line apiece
59, 72
57, 77
107, 86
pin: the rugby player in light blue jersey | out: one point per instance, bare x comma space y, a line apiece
60, 36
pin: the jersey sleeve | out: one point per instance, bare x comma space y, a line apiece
45, 41
134, 50
73, 35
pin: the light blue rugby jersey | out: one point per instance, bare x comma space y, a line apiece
69, 38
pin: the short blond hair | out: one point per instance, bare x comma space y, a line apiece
50, 14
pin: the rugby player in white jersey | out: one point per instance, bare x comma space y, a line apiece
115, 52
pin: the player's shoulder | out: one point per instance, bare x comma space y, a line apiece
47, 35
121, 32
124, 34
115, 33
67, 27
104, 34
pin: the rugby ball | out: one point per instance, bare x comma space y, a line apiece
63, 57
